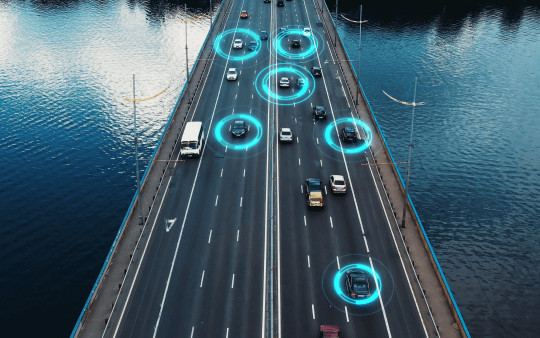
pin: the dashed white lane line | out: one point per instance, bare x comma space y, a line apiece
325, 191
240, 202
295, 120
305, 223
237, 235
299, 162
233, 109
380, 299
317, 140
337, 258
227, 336
302, 188
221, 173
297, 141
365, 241
313, 310
210, 237
202, 278
232, 285
216, 199
347, 314
192, 329
235, 96
226, 148
331, 224
308, 265
321, 164
244, 172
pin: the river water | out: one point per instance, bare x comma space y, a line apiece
66, 141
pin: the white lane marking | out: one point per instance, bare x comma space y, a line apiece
294, 103
232, 285
238, 83
305, 223
227, 336
240, 202
244, 172
311, 103
237, 235
302, 188
250, 110
169, 225
299, 161
297, 140
226, 148
230, 126
380, 299
321, 167
337, 258
331, 224
365, 241
347, 314
216, 199
232, 111
295, 120
202, 278
252, 96
210, 237
235, 96
221, 173
313, 310
308, 265
192, 329
325, 191
317, 140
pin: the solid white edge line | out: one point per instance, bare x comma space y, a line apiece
365, 241
380, 299
202, 278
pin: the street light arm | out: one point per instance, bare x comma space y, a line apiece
364, 21
403, 102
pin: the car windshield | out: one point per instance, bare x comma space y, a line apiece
244, 12
286, 132
349, 132
284, 79
338, 182
314, 186
232, 71
238, 125
238, 41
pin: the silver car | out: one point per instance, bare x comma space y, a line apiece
284, 82
337, 184
237, 44
285, 135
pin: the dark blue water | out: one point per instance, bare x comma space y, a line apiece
66, 141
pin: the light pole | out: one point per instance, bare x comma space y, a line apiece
335, 32
187, 62
137, 154
413, 104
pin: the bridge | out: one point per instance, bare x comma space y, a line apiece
227, 247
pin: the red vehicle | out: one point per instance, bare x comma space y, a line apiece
244, 14
330, 331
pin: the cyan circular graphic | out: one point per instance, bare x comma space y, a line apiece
242, 146
221, 41
335, 290
338, 284
328, 135
285, 96
310, 45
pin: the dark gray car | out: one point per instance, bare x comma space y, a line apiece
357, 283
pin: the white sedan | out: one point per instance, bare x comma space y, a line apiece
232, 74
237, 44
307, 31
284, 82
285, 135
337, 184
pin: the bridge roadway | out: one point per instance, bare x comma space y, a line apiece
207, 276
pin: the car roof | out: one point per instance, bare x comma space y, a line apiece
239, 122
237, 40
314, 180
285, 129
233, 69
319, 107
315, 67
338, 177
285, 78
244, 11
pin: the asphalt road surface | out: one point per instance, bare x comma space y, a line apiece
205, 271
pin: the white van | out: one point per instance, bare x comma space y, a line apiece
192, 140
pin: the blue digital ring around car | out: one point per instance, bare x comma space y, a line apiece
285, 96
338, 284
329, 136
281, 43
225, 39
256, 127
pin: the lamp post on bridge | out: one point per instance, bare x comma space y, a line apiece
187, 62
139, 202
413, 104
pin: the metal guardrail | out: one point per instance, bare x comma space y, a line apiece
414, 212
97, 284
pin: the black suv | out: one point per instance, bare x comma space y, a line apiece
295, 44
319, 112
280, 3
316, 71
349, 134
264, 35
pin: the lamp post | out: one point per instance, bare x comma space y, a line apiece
413, 104
335, 32
137, 154
187, 62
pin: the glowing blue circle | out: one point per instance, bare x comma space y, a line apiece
262, 80
342, 295
310, 51
362, 147
248, 55
233, 146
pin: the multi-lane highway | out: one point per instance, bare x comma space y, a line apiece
208, 268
